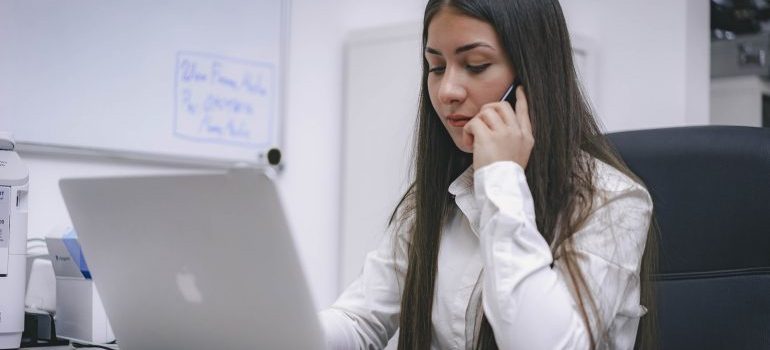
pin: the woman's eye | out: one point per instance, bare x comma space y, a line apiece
437, 69
478, 68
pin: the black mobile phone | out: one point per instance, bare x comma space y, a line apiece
510, 94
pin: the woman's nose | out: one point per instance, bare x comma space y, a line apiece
451, 90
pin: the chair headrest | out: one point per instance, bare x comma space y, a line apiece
711, 191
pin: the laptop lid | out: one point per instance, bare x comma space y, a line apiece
197, 261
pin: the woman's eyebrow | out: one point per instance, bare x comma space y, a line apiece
460, 49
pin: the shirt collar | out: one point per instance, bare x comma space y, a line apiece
462, 184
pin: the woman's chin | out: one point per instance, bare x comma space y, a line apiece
464, 148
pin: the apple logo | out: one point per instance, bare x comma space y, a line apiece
185, 281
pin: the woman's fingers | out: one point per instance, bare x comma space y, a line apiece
499, 133
474, 130
492, 116
507, 113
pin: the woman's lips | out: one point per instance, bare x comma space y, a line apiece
458, 120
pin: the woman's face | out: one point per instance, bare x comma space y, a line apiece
468, 68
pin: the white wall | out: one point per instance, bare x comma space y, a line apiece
309, 183
738, 100
311, 180
653, 60
378, 125
698, 63
46, 207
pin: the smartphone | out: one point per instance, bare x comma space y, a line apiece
510, 94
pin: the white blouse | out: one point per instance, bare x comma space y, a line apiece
491, 246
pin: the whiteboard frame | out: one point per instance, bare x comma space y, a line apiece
130, 156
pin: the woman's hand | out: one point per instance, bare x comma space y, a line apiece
497, 133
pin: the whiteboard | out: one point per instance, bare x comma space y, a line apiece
175, 78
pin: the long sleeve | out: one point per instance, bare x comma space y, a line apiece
526, 294
367, 313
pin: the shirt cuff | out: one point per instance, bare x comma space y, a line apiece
504, 184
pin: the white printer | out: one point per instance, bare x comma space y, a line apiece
14, 180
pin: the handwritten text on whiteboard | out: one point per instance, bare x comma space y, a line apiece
224, 100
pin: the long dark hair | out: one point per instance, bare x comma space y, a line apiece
535, 37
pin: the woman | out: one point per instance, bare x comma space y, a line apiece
522, 228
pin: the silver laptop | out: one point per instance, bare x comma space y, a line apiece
200, 261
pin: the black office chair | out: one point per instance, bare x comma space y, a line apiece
711, 190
